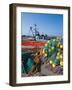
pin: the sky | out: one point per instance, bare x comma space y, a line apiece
50, 24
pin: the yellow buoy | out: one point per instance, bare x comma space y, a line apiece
43, 51
53, 65
58, 53
61, 63
61, 46
46, 44
61, 56
45, 54
50, 61
57, 57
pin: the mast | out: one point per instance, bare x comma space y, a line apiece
32, 32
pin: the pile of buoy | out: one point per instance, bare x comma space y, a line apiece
53, 50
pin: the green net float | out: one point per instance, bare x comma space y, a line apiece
49, 52
53, 49
46, 47
52, 58
57, 57
54, 42
49, 44
57, 62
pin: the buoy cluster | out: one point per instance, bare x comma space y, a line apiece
53, 50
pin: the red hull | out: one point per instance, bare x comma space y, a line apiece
33, 43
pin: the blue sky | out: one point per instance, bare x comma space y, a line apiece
50, 24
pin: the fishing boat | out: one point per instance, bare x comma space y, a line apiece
34, 42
